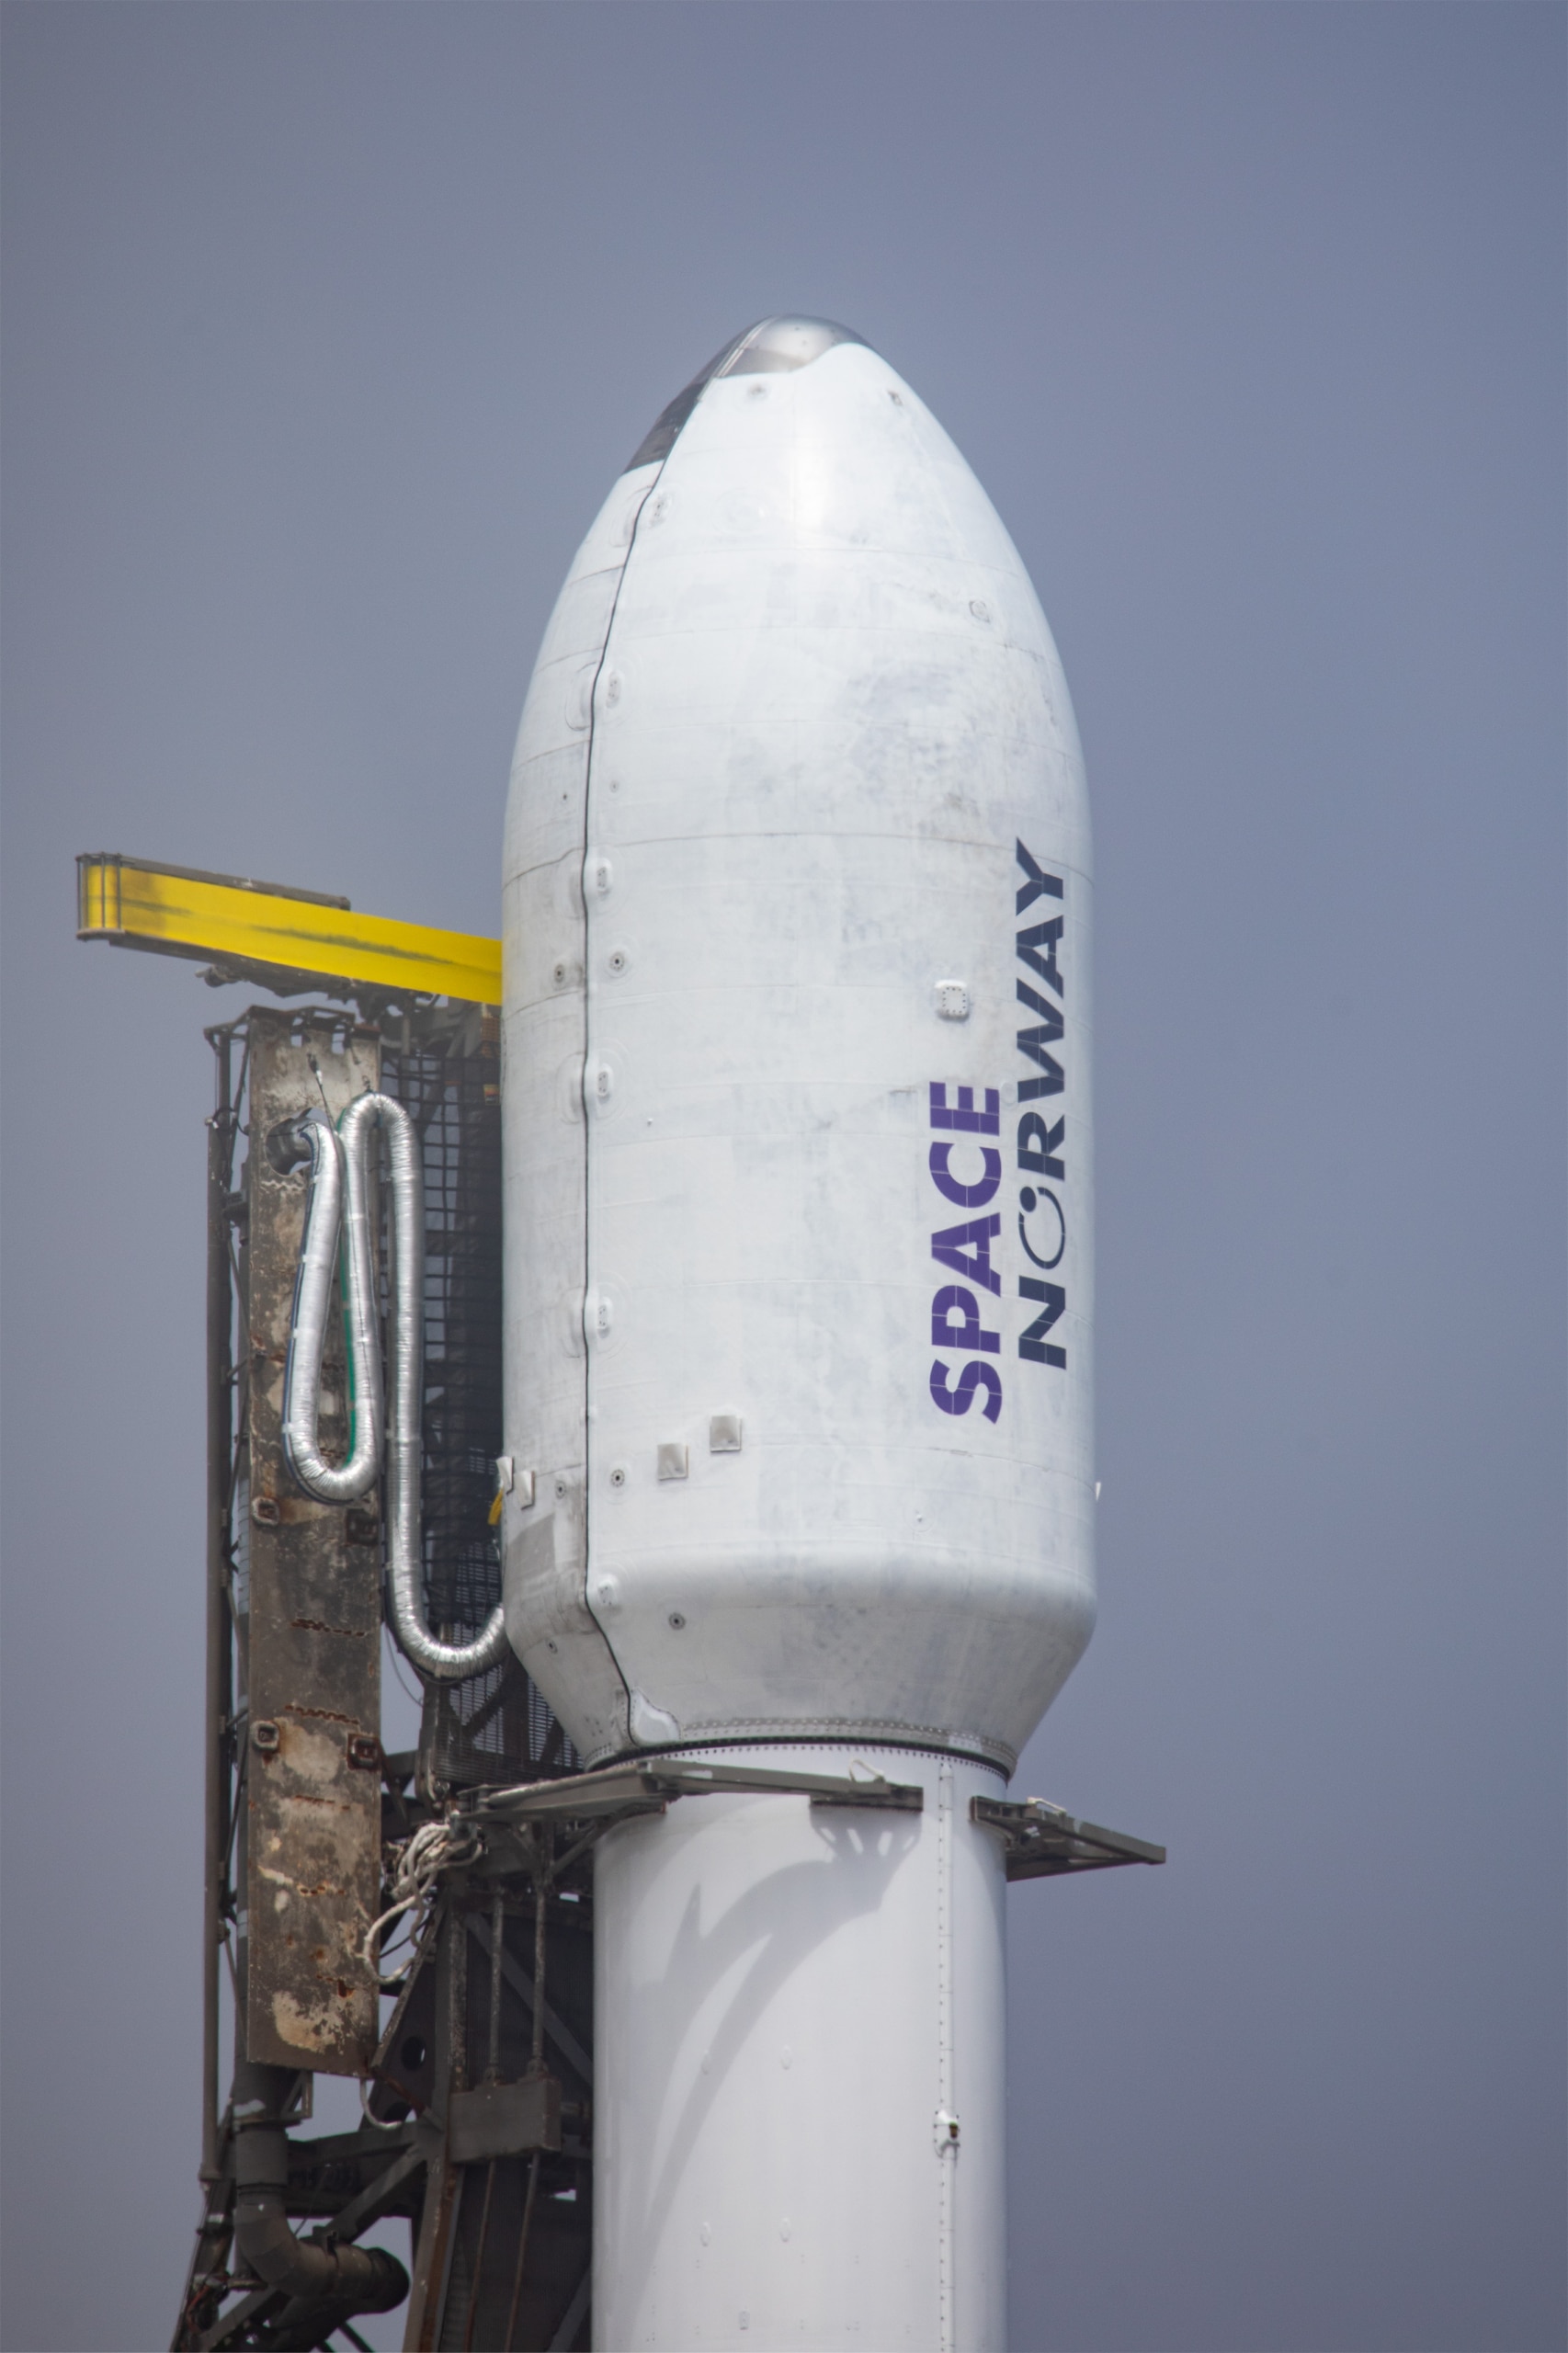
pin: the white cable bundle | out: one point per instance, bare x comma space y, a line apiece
420, 1863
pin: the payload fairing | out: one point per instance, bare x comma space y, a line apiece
799, 1323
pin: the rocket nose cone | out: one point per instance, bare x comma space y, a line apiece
772, 347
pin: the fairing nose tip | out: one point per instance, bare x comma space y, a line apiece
773, 346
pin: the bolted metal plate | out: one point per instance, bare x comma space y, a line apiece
503, 2119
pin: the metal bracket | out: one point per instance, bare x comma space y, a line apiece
503, 2119
290, 941
649, 1788
1041, 1841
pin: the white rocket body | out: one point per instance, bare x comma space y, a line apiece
799, 1322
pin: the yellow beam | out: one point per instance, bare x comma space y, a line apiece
178, 911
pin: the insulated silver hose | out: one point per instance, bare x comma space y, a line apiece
313, 1288
339, 1166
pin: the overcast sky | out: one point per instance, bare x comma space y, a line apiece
326, 329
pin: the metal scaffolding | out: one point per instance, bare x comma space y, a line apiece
497, 2198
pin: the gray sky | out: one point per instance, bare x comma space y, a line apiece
327, 330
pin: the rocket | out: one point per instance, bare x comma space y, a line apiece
799, 1325
793, 1522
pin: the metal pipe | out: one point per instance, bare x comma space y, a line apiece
543, 1844
218, 1678
497, 1955
522, 2251
340, 1194
438, 1662
354, 2278
313, 1286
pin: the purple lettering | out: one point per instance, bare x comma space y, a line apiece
1050, 1299
966, 1333
973, 1376
1030, 942
966, 1249
966, 1196
1039, 883
1037, 1142
972, 1122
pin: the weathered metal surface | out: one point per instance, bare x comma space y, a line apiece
313, 1648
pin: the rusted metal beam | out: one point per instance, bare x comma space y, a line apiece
219, 1698
313, 1781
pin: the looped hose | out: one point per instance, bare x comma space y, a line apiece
340, 1169
329, 1483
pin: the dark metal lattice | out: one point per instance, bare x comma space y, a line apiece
494, 1726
